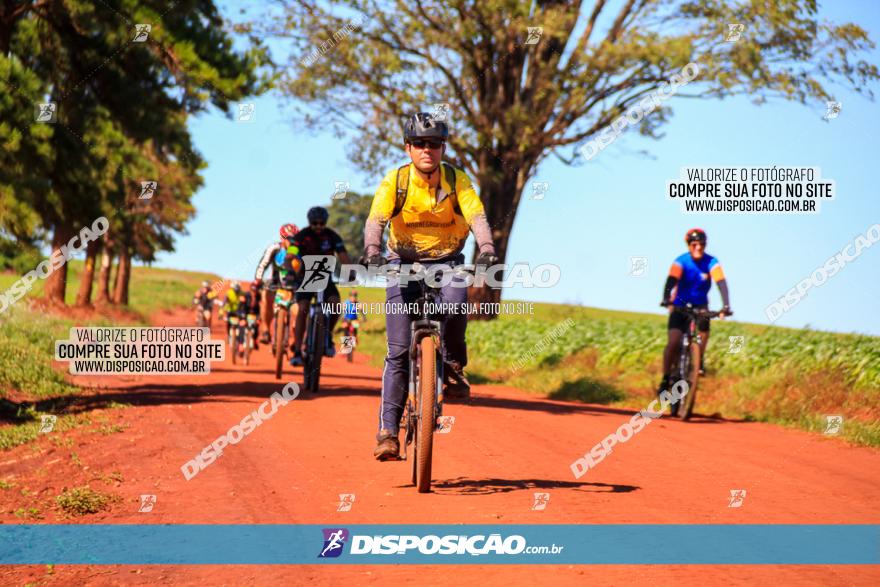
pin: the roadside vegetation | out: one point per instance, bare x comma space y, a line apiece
781, 375
29, 386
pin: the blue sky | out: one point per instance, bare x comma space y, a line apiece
598, 215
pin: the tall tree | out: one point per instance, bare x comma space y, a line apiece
515, 98
103, 294
347, 217
123, 95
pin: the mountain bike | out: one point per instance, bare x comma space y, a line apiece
424, 402
281, 325
316, 342
350, 332
203, 316
690, 359
233, 335
249, 325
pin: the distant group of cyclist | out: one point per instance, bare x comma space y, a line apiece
431, 208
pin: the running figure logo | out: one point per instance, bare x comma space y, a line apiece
736, 343
148, 189
737, 497
445, 424
346, 500
638, 266
539, 190
534, 35
334, 540
340, 190
348, 344
147, 503
734, 32
46, 112
832, 110
833, 424
440, 112
246, 112
319, 269
47, 423
541, 501
141, 33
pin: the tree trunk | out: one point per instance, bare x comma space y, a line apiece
123, 273
56, 282
84, 295
103, 295
500, 191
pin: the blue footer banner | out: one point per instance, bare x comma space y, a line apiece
629, 544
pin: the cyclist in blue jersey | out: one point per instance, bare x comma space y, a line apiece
691, 277
350, 313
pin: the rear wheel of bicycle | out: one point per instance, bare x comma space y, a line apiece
426, 393
691, 376
200, 319
281, 324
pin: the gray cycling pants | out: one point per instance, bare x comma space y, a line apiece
395, 377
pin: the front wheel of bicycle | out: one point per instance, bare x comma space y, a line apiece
691, 376
248, 345
281, 324
316, 353
426, 394
233, 344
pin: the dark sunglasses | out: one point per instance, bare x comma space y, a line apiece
420, 144
318, 224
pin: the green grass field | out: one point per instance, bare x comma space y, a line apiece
27, 345
150, 289
781, 375
790, 377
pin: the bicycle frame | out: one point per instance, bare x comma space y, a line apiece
420, 328
686, 370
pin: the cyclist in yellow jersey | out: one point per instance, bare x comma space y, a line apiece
231, 302
431, 207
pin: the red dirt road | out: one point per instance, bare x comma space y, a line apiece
505, 445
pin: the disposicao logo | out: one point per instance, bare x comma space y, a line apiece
334, 540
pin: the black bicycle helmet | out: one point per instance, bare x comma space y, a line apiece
423, 126
318, 214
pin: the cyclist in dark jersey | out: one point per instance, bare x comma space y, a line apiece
691, 277
250, 304
204, 299
317, 239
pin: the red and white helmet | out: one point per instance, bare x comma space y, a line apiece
288, 231
695, 234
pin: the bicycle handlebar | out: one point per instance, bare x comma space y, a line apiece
696, 312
